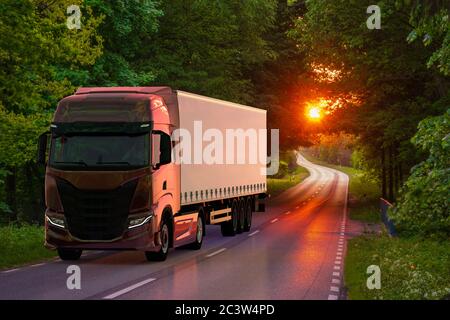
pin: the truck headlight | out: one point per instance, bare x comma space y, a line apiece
58, 222
137, 222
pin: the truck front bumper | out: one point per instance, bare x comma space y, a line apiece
142, 238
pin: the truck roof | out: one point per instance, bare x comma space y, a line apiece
111, 104
141, 90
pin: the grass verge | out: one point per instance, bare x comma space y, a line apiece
277, 186
22, 245
411, 268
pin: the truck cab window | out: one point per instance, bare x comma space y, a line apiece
162, 148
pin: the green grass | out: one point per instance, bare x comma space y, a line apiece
22, 245
411, 268
277, 186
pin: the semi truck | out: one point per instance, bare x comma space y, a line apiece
120, 174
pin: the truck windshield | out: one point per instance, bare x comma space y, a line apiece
100, 152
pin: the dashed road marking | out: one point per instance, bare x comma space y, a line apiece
128, 289
336, 274
287, 212
332, 297
274, 220
216, 252
253, 233
334, 289
335, 281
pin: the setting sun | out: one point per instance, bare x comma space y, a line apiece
314, 113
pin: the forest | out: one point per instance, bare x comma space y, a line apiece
388, 88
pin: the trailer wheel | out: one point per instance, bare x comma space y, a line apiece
248, 215
241, 216
69, 254
199, 234
161, 255
229, 228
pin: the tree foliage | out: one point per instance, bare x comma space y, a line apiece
424, 205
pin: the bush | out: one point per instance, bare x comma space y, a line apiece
22, 244
423, 207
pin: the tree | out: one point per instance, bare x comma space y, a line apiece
424, 208
207, 47
35, 43
127, 31
380, 80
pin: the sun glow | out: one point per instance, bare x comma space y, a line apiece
314, 113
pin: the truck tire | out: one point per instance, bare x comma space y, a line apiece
241, 216
197, 244
69, 254
248, 215
229, 228
161, 255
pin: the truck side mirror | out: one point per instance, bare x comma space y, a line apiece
161, 149
42, 149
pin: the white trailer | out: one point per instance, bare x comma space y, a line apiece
227, 152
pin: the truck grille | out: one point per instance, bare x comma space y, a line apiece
96, 215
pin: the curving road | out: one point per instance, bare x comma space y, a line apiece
295, 250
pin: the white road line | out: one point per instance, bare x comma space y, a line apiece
337, 262
338, 258
337, 267
297, 207
274, 220
287, 212
37, 265
336, 274
216, 252
339, 253
253, 233
334, 289
336, 281
128, 289
332, 297
11, 270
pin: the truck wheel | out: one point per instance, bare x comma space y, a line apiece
69, 254
160, 255
248, 216
229, 228
197, 244
241, 216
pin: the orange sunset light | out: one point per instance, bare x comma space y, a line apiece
314, 113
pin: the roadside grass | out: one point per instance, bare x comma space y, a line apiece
22, 245
277, 186
411, 268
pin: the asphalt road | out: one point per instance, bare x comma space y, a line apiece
295, 250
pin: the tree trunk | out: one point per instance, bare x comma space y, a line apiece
383, 174
10, 190
400, 174
391, 174
33, 191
